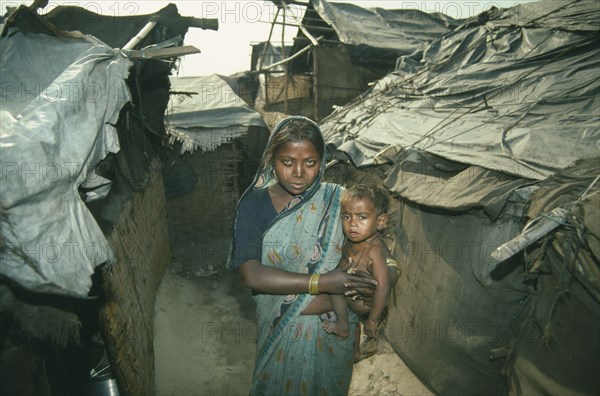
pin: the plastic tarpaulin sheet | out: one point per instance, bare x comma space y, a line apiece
458, 188
403, 30
59, 101
534, 329
482, 131
443, 322
517, 95
206, 112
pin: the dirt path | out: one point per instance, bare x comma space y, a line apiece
204, 341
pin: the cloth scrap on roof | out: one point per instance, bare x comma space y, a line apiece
458, 190
206, 139
205, 112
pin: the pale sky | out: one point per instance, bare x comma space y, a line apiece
243, 22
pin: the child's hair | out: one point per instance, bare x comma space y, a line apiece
295, 129
377, 195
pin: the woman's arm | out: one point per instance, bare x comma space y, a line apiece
270, 280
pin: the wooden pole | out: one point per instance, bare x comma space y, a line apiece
140, 36
264, 53
285, 65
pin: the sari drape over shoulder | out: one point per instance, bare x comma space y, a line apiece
295, 355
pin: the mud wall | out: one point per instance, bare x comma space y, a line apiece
141, 245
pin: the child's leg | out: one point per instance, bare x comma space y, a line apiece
319, 305
325, 303
341, 325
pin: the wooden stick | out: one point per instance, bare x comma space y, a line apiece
140, 36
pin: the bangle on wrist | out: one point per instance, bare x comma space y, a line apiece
374, 322
313, 284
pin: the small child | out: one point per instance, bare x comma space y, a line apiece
364, 216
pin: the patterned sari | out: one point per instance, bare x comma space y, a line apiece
295, 356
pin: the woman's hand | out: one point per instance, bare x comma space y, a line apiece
361, 286
366, 292
340, 282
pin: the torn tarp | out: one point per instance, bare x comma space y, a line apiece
60, 101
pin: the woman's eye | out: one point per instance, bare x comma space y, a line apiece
286, 162
311, 162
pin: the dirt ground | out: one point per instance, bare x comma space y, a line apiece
204, 340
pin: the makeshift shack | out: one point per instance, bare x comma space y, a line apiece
84, 236
217, 141
339, 50
488, 140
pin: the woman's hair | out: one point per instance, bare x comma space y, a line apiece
295, 129
377, 195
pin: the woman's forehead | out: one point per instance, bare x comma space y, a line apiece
300, 148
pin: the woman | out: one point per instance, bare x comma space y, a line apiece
287, 233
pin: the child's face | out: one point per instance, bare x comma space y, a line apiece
296, 165
360, 220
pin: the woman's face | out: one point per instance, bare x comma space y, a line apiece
296, 165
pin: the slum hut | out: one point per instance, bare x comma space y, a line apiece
340, 49
84, 236
489, 144
216, 141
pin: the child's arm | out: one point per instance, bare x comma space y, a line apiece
380, 273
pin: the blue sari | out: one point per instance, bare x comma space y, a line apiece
295, 356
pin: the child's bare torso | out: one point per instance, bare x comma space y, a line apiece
359, 257
360, 260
